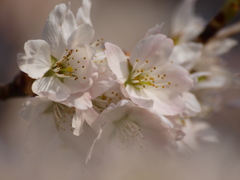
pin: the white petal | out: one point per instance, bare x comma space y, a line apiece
139, 97
83, 14
88, 115
186, 54
219, 47
155, 136
166, 102
155, 30
100, 142
183, 15
36, 60
117, 61
78, 85
156, 49
185, 24
52, 88
103, 83
195, 76
167, 122
192, 105
179, 77
216, 78
79, 100
33, 107
58, 28
198, 135
82, 35
77, 122
84, 73
152, 128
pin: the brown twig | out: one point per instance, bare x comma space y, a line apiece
229, 10
19, 87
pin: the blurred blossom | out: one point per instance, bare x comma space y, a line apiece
122, 123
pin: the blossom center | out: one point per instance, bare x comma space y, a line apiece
140, 77
64, 68
63, 116
68, 66
128, 131
103, 101
100, 56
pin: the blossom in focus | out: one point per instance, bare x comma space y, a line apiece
61, 62
99, 104
147, 77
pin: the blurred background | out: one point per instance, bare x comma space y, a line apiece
122, 22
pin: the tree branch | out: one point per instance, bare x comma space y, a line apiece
19, 87
229, 10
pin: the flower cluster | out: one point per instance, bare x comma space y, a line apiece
96, 103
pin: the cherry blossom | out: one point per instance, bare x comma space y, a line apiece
147, 77
130, 129
61, 62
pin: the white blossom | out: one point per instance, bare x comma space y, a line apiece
147, 77
127, 129
61, 62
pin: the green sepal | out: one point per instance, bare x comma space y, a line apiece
53, 60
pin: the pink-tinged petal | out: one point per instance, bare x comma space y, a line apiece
186, 55
33, 107
78, 85
167, 122
175, 75
52, 88
97, 149
77, 123
198, 135
84, 73
36, 110
154, 49
82, 35
79, 100
88, 115
103, 83
149, 134
155, 132
139, 97
117, 61
36, 60
192, 105
58, 28
155, 30
166, 102
83, 14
